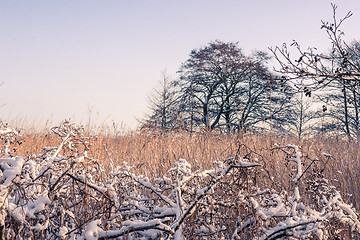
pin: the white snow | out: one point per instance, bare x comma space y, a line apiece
92, 230
69, 197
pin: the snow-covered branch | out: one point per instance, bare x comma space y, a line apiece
61, 194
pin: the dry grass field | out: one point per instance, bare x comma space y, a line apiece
153, 154
71, 182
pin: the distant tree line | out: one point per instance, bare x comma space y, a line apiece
219, 88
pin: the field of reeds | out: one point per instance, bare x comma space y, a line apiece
243, 177
153, 154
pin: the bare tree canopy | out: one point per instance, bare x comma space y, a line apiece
163, 112
221, 88
320, 69
334, 77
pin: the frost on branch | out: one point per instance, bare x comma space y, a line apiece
282, 216
61, 193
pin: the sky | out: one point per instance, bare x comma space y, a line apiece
99, 61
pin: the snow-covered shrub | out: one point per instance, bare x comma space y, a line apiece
61, 193
323, 215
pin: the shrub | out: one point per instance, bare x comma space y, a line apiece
62, 193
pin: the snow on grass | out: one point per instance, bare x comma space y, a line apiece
53, 196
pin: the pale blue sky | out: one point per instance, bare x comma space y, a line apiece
72, 58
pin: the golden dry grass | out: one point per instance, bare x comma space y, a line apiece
152, 155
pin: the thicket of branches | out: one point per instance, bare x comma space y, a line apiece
333, 78
61, 193
219, 88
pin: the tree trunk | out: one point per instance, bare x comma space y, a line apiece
346, 112
356, 106
300, 130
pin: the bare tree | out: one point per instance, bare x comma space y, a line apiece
163, 112
302, 119
309, 71
208, 79
220, 86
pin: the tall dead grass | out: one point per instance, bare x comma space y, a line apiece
153, 154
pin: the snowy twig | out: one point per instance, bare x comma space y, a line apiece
135, 227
